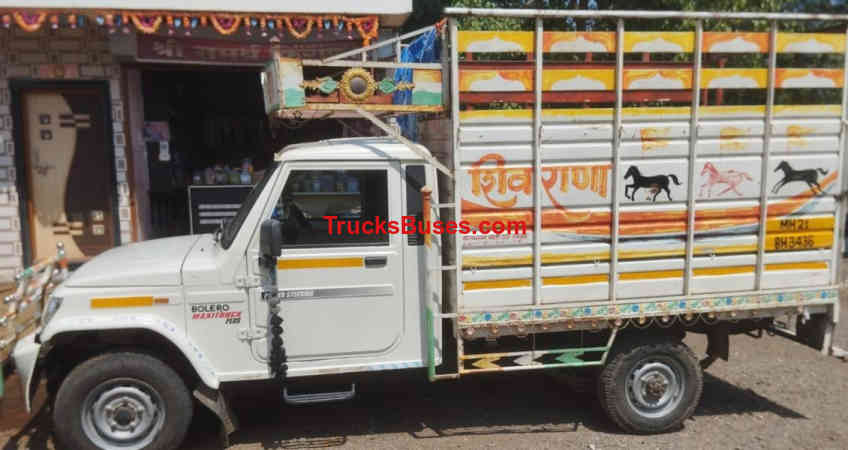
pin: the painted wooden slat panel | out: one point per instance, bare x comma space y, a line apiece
730, 129
491, 182
733, 78
786, 261
647, 113
809, 78
735, 42
489, 258
495, 134
504, 80
659, 41
578, 80
495, 41
648, 42
791, 175
728, 178
520, 80
646, 79
578, 42
811, 42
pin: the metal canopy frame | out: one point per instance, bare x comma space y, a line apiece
631, 14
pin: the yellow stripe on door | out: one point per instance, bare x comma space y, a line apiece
121, 302
647, 275
319, 263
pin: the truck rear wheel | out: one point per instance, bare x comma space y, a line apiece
122, 400
651, 387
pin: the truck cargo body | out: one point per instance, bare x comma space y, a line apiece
628, 218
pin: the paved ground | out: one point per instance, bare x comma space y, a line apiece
773, 393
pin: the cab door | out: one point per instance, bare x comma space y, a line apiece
340, 276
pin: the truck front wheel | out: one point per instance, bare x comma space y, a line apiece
122, 400
651, 387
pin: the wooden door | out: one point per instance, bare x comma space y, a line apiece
68, 163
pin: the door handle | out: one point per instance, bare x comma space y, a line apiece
373, 262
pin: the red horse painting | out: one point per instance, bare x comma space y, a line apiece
731, 178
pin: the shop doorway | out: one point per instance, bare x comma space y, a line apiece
67, 164
208, 139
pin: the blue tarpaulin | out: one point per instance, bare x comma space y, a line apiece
423, 49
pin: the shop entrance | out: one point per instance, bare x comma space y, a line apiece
68, 169
208, 139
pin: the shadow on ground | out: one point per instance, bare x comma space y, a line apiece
483, 405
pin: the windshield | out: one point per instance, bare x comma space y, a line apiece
232, 227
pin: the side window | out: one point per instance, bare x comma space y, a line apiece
333, 208
414, 178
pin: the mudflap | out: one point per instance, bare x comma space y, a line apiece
215, 401
26, 363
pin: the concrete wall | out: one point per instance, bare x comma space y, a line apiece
63, 54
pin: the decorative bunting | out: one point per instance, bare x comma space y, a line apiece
149, 22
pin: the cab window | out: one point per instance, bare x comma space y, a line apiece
333, 208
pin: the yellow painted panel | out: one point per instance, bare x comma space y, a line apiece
483, 115
798, 224
735, 42
822, 110
646, 275
578, 79
319, 263
495, 284
811, 42
799, 241
639, 79
652, 275
577, 279
579, 41
809, 78
487, 80
495, 41
659, 41
733, 78
121, 302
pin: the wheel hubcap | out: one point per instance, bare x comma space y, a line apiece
122, 413
654, 388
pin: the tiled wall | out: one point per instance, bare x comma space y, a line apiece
63, 54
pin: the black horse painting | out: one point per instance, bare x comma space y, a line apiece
809, 176
655, 183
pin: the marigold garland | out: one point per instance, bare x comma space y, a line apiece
299, 34
23, 20
373, 25
148, 22
228, 19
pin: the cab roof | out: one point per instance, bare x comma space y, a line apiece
360, 149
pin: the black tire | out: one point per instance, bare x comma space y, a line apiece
655, 360
124, 376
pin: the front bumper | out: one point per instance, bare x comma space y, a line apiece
26, 358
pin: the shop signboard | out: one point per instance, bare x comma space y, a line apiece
170, 49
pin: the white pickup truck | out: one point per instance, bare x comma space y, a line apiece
644, 223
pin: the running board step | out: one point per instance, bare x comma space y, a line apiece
320, 397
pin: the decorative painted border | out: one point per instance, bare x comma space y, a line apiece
653, 308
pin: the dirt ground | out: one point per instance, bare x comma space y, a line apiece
773, 393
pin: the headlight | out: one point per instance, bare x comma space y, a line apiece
53, 304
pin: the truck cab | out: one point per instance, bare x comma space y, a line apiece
348, 284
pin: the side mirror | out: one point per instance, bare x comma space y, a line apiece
270, 240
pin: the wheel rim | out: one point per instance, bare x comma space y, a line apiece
655, 387
123, 413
